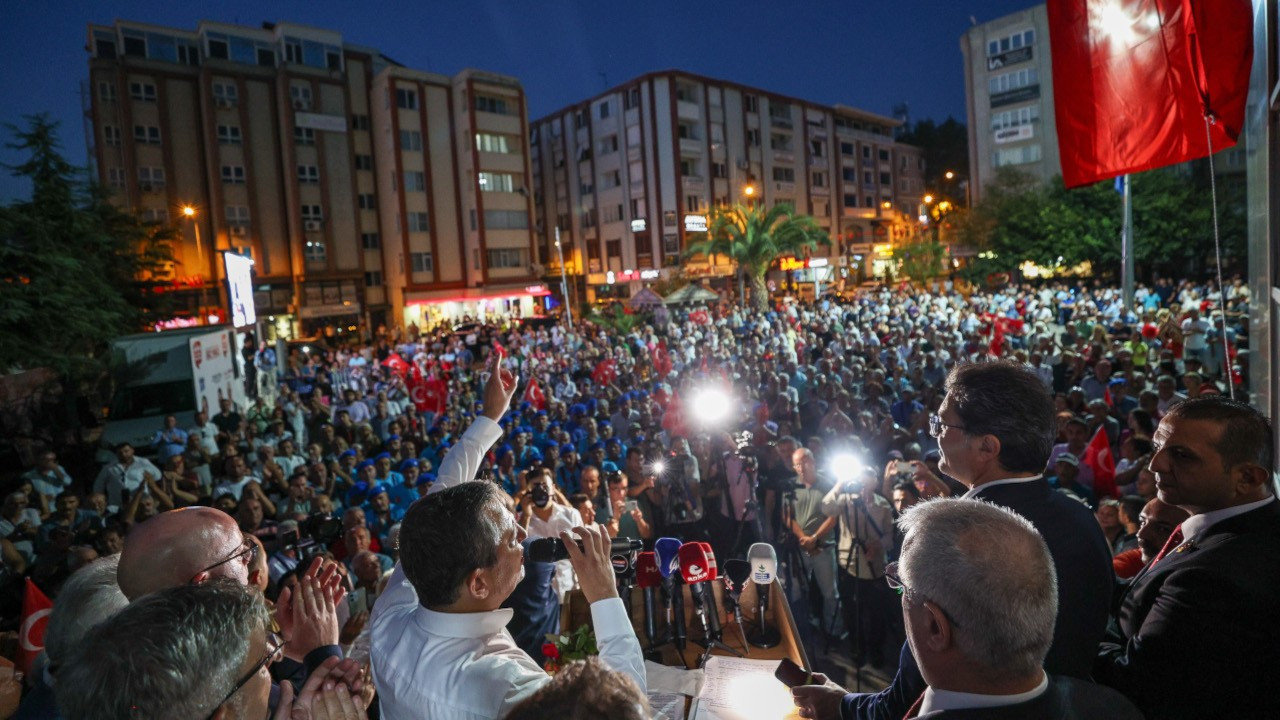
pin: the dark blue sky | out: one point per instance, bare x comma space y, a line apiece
866, 53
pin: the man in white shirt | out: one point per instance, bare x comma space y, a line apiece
124, 476
206, 431
1195, 336
440, 648
985, 655
543, 516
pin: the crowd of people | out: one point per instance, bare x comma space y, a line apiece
288, 545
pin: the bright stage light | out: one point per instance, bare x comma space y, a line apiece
845, 467
711, 406
658, 467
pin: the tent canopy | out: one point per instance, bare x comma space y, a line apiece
691, 294
645, 298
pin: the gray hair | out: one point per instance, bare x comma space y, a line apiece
992, 573
89, 597
173, 653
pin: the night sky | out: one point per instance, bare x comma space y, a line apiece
869, 54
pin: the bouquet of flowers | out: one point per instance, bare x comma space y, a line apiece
560, 650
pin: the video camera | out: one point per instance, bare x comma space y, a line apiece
313, 536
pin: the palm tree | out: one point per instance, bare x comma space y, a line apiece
753, 237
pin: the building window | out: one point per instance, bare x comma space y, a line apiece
866, 178
884, 155
237, 215
609, 144
418, 222
613, 249
410, 140
370, 241
372, 278
1017, 40
309, 174
637, 208
753, 137
314, 253
644, 246
115, 177
312, 213
589, 218
422, 262
301, 95
817, 148
1017, 156
819, 179
693, 203
359, 121
866, 152
670, 244
849, 175
233, 174
846, 149
506, 258
885, 179
870, 201
364, 162
406, 99
304, 136
490, 104
367, 201
719, 170
506, 220
610, 179
415, 181
613, 213
751, 103
142, 91
150, 178
155, 216
604, 109
1025, 77
266, 57
851, 201
225, 95
229, 134
106, 92
689, 168
489, 142
497, 182
784, 174
110, 135
1015, 118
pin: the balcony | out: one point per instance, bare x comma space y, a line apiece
686, 110
784, 156
694, 183
691, 146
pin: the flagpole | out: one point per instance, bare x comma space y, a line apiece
1126, 250
564, 283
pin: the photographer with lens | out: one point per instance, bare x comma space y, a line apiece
544, 513
866, 533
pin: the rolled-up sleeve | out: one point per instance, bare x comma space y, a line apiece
616, 638
462, 462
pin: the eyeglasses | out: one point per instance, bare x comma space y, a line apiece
248, 548
892, 577
275, 653
936, 425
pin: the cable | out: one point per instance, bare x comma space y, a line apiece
1217, 256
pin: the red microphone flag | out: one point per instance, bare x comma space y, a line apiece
1134, 79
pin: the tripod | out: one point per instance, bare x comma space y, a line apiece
747, 469
857, 529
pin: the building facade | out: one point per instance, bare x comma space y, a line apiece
1008, 81
286, 144
630, 177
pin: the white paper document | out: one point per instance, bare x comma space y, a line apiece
739, 689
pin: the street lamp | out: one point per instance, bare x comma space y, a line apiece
950, 175
928, 199
189, 212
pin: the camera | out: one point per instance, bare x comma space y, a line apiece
313, 536
539, 495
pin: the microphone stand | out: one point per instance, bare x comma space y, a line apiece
711, 637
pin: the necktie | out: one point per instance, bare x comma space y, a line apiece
1174, 541
914, 710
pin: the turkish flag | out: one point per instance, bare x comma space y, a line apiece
534, 395
606, 371
427, 394
35, 618
661, 359
700, 317
396, 364
1134, 79
1097, 455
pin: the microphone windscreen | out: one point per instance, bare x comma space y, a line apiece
647, 574
667, 550
738, 572
693, 563
712, 566
764, 563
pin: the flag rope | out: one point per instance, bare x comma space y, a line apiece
1217, 256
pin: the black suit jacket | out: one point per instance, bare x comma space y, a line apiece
1065, 699
1082, 561
1200, 630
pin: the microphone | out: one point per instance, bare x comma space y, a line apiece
709, 591
553, 549
764, 569
736, 574
667, 550
648, 578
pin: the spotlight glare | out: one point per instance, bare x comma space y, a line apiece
658, 467
711, 406
845, 467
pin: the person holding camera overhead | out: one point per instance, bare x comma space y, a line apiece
866, 532
545, 513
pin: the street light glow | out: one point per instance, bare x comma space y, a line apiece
749, 190
950, 175
928, 199
188, 211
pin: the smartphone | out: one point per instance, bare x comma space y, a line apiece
902, 467
630, 506
791, 674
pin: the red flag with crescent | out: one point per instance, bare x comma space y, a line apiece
534, 395
35, 618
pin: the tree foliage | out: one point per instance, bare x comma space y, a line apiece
754, 237
75, 270
946, 148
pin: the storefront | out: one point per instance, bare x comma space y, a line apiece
621, 285
426, 309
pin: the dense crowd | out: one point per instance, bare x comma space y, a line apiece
725, 425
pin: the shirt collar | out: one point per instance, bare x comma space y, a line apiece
463, 625
975, 491
1195, 525
936, 700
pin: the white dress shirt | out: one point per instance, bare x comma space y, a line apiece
562, 519
936, 701
466, 666
1195, 525
116, 479
977, 489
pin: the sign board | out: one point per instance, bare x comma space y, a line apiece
317, 121
788, 264
213, 370
695, 223
639, 225
1009, 97
1013, 134
240, 289
1012, 57
315, 311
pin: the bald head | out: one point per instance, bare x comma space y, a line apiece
177, 547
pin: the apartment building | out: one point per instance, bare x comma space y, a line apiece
1008, 80
280, 143
630, 177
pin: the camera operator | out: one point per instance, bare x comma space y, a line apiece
809, 527
627, 520
866, 532
544, 513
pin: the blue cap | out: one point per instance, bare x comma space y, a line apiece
1117, 381
377, 489
357, 493
596, 446
347, 453
504, 449
567, 448
614, 441
577, 409
608, 467
603, 423
542, 412
364, 464
410, 462
382, 455
424, 479
392, 436
638, 438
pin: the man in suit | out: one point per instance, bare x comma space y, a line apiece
995, 430
1199, 628
979, 598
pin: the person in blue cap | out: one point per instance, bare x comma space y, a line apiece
615, 451
380, 514
403, 494
504, 470
568, 474
357, 494
595, 454
586, 435
382, 463
423, 483
431, 449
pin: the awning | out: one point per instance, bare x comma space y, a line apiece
474, 294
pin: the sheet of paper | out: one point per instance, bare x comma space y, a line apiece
740, 689
667, 679
666, 706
